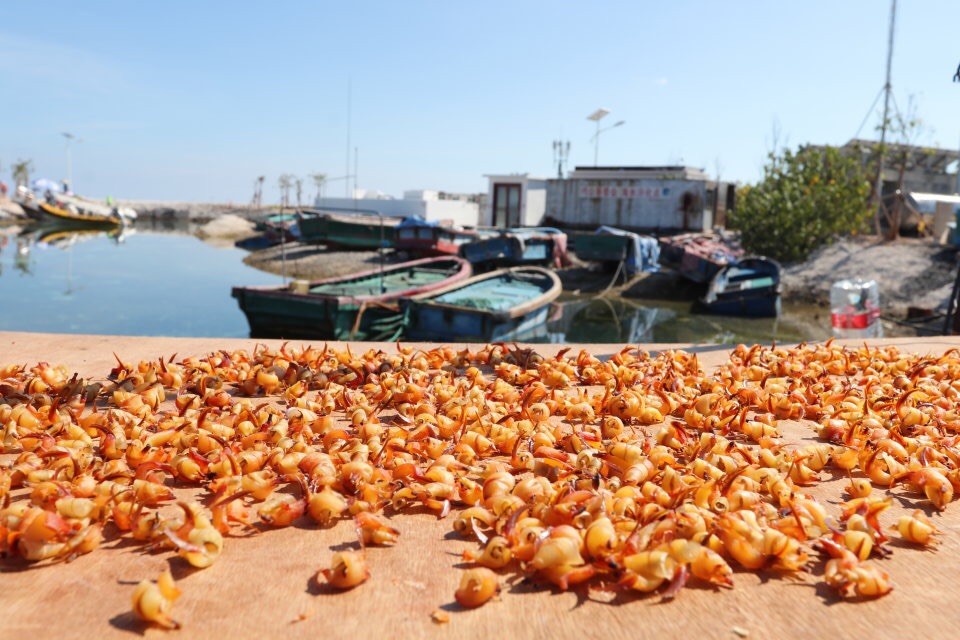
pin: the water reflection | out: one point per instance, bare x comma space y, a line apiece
174, 284
81, 281
579, 319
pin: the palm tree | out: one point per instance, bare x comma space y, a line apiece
299, 183
320, 180
285, 182
258, 191
21, 173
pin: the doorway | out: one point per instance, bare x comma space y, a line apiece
506, 205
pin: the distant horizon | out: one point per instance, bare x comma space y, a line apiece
191, 103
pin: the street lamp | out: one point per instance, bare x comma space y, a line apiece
596, 116
561, 151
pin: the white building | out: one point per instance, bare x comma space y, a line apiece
434, 206
515, 200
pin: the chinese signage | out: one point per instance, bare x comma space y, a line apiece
624, 192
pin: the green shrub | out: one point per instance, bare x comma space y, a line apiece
805, 198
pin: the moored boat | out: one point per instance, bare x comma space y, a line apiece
360, 230
360, 306
697, 257
613, 246
507, 304
749, 287
419, 237
58, 213
540, 246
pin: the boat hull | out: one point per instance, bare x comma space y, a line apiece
426, 240
510, 250
360, 306
49, 214
601, 247
508, 304
348, 231
747, 288
696, 257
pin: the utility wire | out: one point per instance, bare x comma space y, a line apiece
869, 111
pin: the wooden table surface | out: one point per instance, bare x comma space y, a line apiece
264, 585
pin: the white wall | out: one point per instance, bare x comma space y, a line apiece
459, 212
534, 201
533, 198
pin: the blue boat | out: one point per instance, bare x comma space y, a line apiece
748, 287
507, 304
614, 246
521, 246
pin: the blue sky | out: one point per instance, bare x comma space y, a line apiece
194, 100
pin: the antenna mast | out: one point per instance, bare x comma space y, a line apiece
887, 89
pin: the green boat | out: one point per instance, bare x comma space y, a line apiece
348, 230
508, 304
361, 306
601, 247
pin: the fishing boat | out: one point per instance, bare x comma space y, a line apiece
58, 213
419, 237
361, 306
365, 229
748, 287
614, 246
273, 219
507, 304
539, 246
74, 212
285, 230
697, 257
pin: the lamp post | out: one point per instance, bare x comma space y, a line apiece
596, 116
70, 138
561, 151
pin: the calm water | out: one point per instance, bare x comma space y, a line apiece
142, 284
160, 284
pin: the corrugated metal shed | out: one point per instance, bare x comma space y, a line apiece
642, 198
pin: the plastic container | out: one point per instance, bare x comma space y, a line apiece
855, 309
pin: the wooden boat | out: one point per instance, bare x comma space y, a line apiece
283, 230
348, 230
518, 247
600, 247
273, 219
507, 304
749, 287
613, 246
697, 257
361, 306
424, 238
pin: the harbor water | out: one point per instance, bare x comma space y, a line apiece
174, 284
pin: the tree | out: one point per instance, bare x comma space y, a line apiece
804, 199
285, 182
319, 180
21, 173
257, 192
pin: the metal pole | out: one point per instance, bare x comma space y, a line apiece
69, 138
886, 112
596, 144
347, 172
